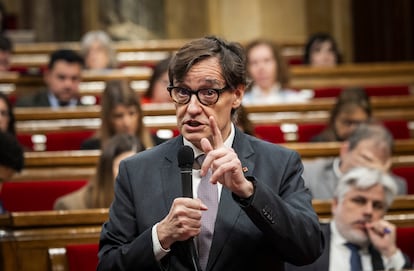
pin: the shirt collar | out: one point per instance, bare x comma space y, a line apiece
337, 238
228, 142
54, 102
336, 169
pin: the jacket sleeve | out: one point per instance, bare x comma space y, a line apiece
286, 216
121, 246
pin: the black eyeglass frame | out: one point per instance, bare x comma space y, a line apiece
196, 92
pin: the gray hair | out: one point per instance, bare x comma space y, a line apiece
364, 178
104, 39
372, 131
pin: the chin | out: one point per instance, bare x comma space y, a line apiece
357, 236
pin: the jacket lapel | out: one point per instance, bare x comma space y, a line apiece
170, 174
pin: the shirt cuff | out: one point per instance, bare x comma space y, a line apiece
395, 262
159, 251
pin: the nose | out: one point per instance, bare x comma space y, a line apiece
368, 209
193, 106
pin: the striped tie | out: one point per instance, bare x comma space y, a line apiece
208, 194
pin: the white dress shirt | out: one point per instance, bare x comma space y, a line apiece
339, 255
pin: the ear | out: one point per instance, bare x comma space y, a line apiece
238, 96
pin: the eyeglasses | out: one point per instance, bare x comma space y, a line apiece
207, 96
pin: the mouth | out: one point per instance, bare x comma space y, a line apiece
193, 123
361, 224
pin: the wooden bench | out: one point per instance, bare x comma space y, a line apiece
27, 237
303, 77
81, 164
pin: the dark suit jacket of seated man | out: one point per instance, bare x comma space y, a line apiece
62, 79
361, 199
265, 215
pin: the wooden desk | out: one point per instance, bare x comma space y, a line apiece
324, 104
26, 237
81, 164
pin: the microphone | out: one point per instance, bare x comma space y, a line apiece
185, 162
185, 158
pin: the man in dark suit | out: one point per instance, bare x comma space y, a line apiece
62, 80
361, 199
264, 215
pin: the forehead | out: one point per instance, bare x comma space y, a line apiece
322, 44
63, 66
207, 71
377, 147
374, 193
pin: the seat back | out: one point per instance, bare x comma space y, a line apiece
405, 241
398, 128
407, 173
55, 141
306, 131
36, 195
269, 132
82, 257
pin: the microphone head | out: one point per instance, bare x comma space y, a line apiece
185, 157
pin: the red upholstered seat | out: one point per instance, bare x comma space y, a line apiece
56, 141
327, 92
36, 195
271, 133
398, 128
387, 90
405, 241
308, 130
82, 257
407, 173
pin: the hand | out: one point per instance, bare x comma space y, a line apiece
383, 237
224, 163
182, 222
364, 159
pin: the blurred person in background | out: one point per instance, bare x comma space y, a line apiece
11, 159
269, 74
6, 48
7, 120
62, 79
352, 108
370, 145
98, 51
321, 50
121, 112
358, 237
157, 90
99, 192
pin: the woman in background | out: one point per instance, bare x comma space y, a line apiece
7, 121
269, 74
157, 89
98, 193
352, 108
321, 50
97, 50
120, 113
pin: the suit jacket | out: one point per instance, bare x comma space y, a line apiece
39, 99
321, 179
322, 263
279, 224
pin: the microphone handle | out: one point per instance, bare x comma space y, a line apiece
187, 187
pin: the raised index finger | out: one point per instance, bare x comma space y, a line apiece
216, 133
